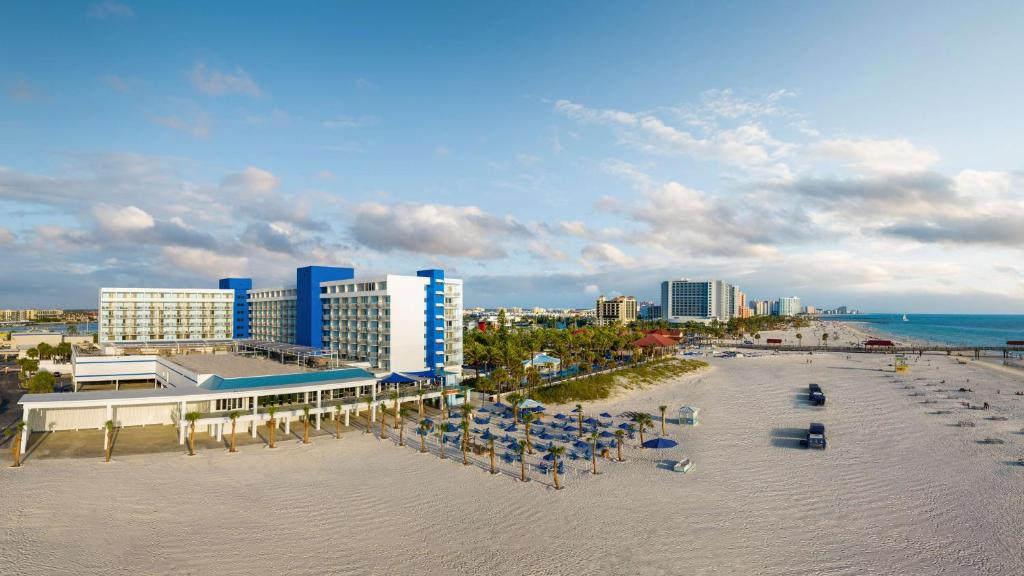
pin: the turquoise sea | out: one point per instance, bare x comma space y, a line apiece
953, 329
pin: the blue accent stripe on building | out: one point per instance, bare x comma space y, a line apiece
435, 306
309, 310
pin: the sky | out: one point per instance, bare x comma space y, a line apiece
864, 154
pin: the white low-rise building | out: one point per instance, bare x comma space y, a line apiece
143, 314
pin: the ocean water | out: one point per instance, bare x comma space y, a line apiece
953, 329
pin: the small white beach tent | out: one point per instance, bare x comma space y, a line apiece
689, 415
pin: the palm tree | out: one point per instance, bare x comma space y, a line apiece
662, 409
439, 432
394, 398
490, 449
337, 422
191, 417
271, 425
515, 399
521, 451
18, 430
465, 441
799, 339
419, 397
234, 414
593, 452
619, 435
369, 407
824, 339
642, 420
757, 336
528, 419
556, 452
108, 439
467, 410
424, 430
579, 410
402, 413
383, 417
305, 424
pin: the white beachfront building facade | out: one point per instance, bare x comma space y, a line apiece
148, 314
395, 323
699, 300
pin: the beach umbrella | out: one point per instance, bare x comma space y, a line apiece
590, 420
625, 425
510, 428
571, 428
604, 424
660, 443
545, 436
499, 405
487, 435
483, 410
582, 445
561, 416
449, 427
606, 434
574, 410
605, 415
548, 457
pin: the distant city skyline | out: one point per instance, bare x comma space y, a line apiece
544, 153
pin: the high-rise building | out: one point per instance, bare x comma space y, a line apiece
142, 314
396, 323
788, 306
699, 301
618, 310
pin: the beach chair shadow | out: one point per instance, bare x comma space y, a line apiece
787, 437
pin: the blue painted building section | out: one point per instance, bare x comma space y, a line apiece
434, 318
241, 286
309, 310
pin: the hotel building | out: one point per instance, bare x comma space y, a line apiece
396, 323
145, 314
699, 301
789, 306
618, 310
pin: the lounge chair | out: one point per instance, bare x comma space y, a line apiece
683, 466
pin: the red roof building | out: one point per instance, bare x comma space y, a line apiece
655, 341
881, 343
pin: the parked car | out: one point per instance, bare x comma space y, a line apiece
816, 396
815, 437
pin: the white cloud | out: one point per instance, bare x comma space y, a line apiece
464, 231
122, 220
605, 253
205, 262
878, 156
343, 121
592, 289
111, 9
198, 126
253, 180
217, 83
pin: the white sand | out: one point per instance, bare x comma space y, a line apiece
899, 491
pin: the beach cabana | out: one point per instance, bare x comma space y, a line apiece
543, 362
396, 378
689, 415
655, 342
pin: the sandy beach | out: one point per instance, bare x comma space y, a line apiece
901, 490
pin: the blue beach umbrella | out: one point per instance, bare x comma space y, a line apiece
561, 416
510, 428
449, 427
605, 415
590, 420
487, 435
606, 434
660, 443
571, 429
574, 410
545, 436
625, 425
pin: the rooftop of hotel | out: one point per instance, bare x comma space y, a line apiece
232, 365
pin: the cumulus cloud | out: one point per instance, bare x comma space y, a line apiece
605, 253
205, 262
218, 83
465, 231
122, 220
878, 156
253, 180
1006, 229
